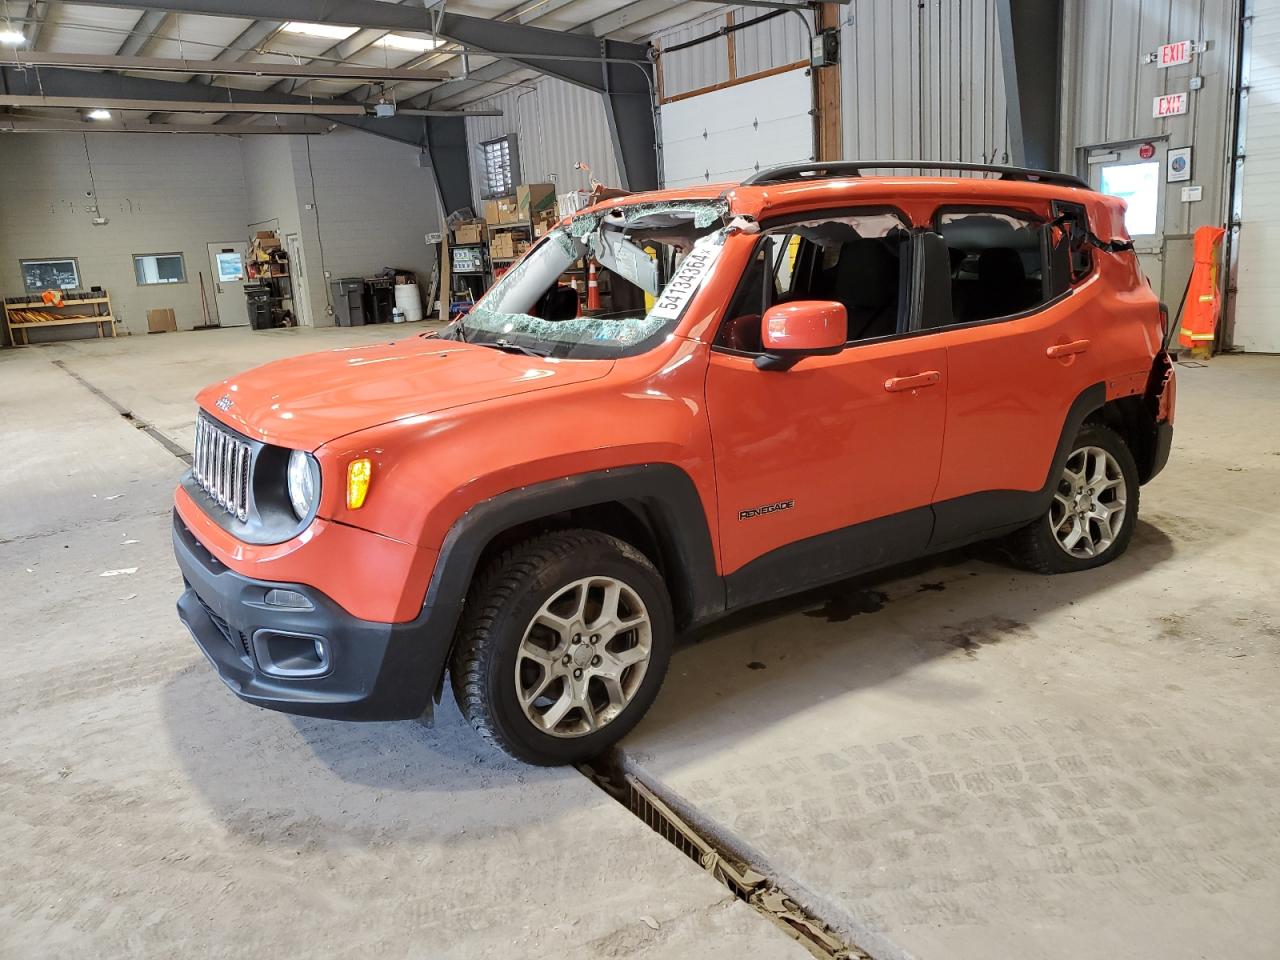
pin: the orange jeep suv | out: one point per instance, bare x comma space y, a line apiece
785, 382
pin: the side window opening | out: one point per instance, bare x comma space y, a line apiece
999, 263
1070, 251
859, 260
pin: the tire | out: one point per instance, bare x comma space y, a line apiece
1040, 548
517, 635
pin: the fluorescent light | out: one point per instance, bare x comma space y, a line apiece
325, 31
397, 41
12, 37
99, 114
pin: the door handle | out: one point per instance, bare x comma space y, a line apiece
926, 379
1060, 350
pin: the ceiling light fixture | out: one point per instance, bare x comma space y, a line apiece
397, 41
99, 114
12, 38
326, 31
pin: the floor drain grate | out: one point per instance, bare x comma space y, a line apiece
752, 887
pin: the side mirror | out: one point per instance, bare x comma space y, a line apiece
807, 328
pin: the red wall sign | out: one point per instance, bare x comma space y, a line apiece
1172, 54
1147, 151
1170, 105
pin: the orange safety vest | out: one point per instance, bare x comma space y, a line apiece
1203, 304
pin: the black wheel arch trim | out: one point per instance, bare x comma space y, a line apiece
672, 509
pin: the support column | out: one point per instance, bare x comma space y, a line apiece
1031, 53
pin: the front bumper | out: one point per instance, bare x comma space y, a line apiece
368, 671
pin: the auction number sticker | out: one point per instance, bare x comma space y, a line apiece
693, 270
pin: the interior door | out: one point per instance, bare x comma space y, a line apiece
1136, 173
827, 468
226, 262
298, 280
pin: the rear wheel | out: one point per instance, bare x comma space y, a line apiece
563, 647
1095, 505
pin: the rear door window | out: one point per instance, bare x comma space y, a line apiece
999, 263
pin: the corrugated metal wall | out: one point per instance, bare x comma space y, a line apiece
776, 42
556, 125
919, 79
1111, 91
923, 80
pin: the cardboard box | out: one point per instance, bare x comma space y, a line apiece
534, 201
265, 235
162, 321
500, 210
471, 231
502, 244
268, 243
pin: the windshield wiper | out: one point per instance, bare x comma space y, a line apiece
509, 347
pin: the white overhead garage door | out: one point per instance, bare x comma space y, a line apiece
729, 134
1256, 306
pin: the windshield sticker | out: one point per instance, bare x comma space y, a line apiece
687, 279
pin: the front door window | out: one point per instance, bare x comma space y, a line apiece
1138, 184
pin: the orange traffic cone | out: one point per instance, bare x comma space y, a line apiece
593, 287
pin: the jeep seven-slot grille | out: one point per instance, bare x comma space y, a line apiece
220, 463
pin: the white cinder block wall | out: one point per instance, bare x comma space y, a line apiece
160, 194
372, 205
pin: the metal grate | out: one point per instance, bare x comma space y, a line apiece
220, 463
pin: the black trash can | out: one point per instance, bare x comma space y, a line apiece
258, 296
348, 301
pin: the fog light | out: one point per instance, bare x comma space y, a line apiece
287, 598
319, 651
358, 474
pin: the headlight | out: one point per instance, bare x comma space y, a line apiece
304, 483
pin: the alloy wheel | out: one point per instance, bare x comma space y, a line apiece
583, 656
1089, 504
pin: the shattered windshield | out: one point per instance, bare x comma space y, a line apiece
608, 284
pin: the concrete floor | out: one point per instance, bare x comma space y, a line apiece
145, 812
952, 760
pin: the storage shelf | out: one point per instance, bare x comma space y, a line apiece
520, 224
49, 306
62, 321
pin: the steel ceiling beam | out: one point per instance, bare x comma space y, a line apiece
237, 68
144, 30
443, 137
621, 72
319, 108
39, 125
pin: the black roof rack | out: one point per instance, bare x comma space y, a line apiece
854, 168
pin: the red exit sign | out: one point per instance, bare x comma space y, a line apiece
1170, 105
1172, 54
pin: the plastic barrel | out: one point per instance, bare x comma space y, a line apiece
409, 301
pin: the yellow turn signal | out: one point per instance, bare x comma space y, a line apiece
358, 474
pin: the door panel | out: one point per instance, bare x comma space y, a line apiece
824, 446
226, 262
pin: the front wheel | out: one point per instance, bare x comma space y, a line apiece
564, 644
1095, 505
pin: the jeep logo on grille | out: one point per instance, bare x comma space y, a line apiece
766, 509
224, 402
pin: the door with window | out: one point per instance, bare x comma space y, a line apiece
828, 467
1135, 173
1018, 355
300, 293
226, 262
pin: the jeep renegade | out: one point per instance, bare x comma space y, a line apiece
789, 381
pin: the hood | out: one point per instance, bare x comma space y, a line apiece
306, 401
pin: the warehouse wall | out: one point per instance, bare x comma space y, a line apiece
372, 206
371, 202
918, 80
160, 194
923, 81
1111, 92
556, 125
